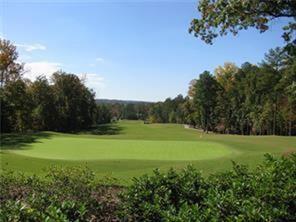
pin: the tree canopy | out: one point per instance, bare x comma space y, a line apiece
64, 105
219, 17
10, 69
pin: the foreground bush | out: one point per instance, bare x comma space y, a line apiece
265, 194
66, 194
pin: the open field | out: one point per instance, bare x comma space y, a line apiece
131, 148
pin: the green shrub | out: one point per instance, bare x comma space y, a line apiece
21, 211
66, 194
267, 193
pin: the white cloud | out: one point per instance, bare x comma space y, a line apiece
31, 47
99, 59
35, 69
24, 58
93, 81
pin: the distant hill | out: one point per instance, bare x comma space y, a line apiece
114, 101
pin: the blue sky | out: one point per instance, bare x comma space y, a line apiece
139, 50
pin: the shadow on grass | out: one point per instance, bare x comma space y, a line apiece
14, 141
105, 129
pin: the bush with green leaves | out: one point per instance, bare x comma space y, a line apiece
65, 194
267, 193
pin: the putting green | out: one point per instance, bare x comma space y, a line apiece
71, 148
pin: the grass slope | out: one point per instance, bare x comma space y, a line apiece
131, 148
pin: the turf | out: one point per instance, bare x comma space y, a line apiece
65, 148
131, 148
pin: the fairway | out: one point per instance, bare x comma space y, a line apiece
65, 148
132, 148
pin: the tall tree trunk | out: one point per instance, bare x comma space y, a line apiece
248, 128
290, 121
242, 129
274, 117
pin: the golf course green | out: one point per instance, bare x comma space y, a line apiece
103, 149
130, 148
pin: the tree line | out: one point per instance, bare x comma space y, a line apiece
169, 111
62, 103
251, 99
131, 111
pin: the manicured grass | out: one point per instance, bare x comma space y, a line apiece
65, 148
131, 148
